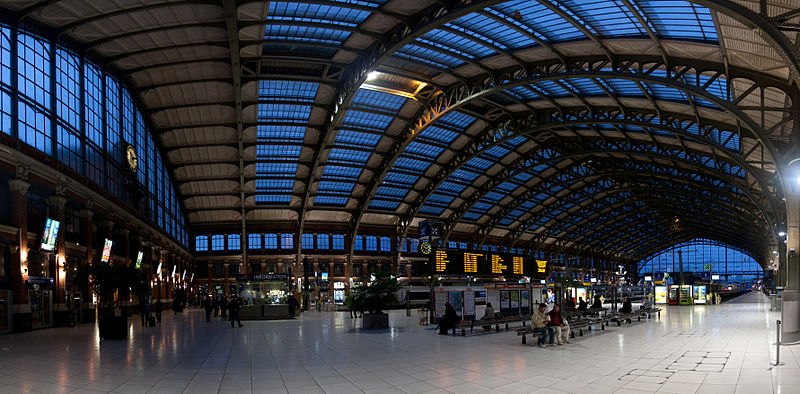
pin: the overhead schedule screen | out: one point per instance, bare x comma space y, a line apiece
494, 264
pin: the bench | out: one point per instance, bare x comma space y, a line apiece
490, 322
524, 332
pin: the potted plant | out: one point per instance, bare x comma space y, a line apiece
373, 294
113, 284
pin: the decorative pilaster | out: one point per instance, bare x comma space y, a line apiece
19, 255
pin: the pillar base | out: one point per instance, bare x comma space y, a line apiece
22, 319
790, 316
61, 315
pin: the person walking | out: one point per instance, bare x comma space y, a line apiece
159, 307
233, 310
215, 305
208, 307
143, 310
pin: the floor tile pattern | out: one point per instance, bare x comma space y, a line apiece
325, 352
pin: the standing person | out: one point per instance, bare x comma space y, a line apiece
293, 305
159, 307
233, 309
539, 324
208, 308
223, 306
488, 314
215, 303
449, 320
143, 310
559, 324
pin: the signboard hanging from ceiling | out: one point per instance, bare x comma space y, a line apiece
487, 264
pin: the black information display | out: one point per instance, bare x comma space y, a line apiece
486, 264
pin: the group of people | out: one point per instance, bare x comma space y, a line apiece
231, 305
147, 310
552, 326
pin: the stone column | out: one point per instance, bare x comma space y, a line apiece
125, 244
56, 204
158, 261
21, 310
225, 281
210, 276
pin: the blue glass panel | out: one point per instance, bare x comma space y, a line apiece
392, 191
418, 148
348, 156
585, 86
304, 33
297, 12
330, 200
479, 163
679, 19
5, 55
430, 209
491, 31
465, 175
607, 18
357, 138
93, 107
539, 19
493, 196
113, 144
435, 58
371, 99
278, 152
266, 198
453, 187
331, 186
552, 89
456, 43
34, 127
68, 88
497, 152
69, 148
33, 62
403, 179
287, 91
284, 113
333, 171
440, 198
294, 134
367, 120
472, 215
412, 164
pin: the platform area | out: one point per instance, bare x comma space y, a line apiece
701, 349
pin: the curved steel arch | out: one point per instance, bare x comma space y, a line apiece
487, 86
448, 225
700, 241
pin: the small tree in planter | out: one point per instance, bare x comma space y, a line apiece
372, 296
112, 284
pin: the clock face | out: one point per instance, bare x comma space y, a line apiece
133, 160
425, 247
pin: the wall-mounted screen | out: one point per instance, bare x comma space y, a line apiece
482, 263
139, 258
106, 251
50, 234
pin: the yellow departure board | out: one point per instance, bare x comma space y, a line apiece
517, 265
497, 265
441, 261
471, 262
541, 266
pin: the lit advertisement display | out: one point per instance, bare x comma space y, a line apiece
106, 251
475, 263
50, 234
139, 258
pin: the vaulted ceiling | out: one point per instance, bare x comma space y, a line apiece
576, 125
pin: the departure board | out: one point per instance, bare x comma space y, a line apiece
453, 262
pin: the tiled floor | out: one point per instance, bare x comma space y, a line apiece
322, 352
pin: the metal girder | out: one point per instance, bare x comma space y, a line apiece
231, 24
93, 45
497, 180
633, 70
396, 39
170, 47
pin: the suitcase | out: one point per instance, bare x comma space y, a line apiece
151, 321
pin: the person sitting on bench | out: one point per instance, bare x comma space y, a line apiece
581, 304
570, 303
539, 325
626, 306
598, 302
449, 320
646, 303
488, 314
559, 324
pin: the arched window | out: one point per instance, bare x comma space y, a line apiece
201, 243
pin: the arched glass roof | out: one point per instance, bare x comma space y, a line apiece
569, 125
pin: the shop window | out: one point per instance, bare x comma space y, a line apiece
358, 270
338, 242
287, 241
217, 242
386, 244
201, 243
338, 269
452, 245
323, 241
413, 245
253, 241
308, 241
271, 241
234, 242
372, 243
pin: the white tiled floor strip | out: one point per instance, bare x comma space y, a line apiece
322, 352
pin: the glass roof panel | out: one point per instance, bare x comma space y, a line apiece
456, 43
315, 13
375, 100
271, 90
539, 19
305, 34
610, 18
679, 19
430, 56
492, 31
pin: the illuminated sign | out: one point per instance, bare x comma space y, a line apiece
174, 267
324, 276
158, 271
50, 234
452, 262
441, 261
184, 275
517, 265
425, 248
106, 251
192, 278
139, 258
471, 262
497, 264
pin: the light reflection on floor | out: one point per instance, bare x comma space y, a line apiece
325, 352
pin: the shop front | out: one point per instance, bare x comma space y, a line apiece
40, 299
264, 296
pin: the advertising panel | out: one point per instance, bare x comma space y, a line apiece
50, 234
106, 251
661, 294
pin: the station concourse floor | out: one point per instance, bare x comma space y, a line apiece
323, 352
